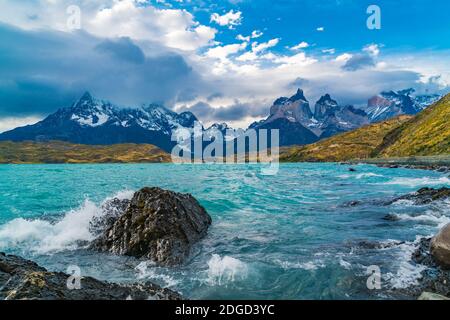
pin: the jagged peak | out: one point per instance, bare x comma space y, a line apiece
299, 95
326, 99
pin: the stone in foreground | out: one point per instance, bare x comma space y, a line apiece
440, 248
22, 279
157, 224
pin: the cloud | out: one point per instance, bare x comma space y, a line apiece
257, 49
358, 61
122, 49
255, 34
236, 111
329, 51
134, 19
8, 123
42, 71
301, 45
372, 49
320, 29
230, 19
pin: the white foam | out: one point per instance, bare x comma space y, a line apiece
408, 273
360, 175
309, 265
224, 270
41, 236
430, 217
415, 182
148, 270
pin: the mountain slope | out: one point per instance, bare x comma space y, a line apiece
63, 152
357, 144
390, 104
92, 121
426, 134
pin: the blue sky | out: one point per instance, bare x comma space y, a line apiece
225, 60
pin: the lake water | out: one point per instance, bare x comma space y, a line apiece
287, 236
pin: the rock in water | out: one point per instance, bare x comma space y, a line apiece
157, 224
425, 196
22, 279
440, 247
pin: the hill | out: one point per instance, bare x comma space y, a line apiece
357, 144
64, 152
426, 134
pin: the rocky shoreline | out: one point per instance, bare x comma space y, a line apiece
155, 224
432, 253
21, 279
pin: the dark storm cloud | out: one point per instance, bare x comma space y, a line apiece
237, 111
359, 61
41, 71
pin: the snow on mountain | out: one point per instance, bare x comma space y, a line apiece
94, 121
390, 104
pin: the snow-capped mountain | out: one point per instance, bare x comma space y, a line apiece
94, 121
299, 125
390, 104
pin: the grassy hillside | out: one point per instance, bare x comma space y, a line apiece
62, 152
357, 144
426, 134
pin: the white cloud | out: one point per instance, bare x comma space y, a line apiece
301, 45
372, 49
329, 51
135, 19
344, 57
256, 34
230, 19
320, 29
222, 52
8, 123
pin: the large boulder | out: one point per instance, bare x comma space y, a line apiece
440, 247
157, 224
22, 279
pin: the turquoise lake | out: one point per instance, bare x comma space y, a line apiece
287, 236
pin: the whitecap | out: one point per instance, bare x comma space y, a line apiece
408, 273
43, 237
225, 270
415, 182
148, 270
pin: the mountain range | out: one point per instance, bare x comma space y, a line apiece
93, 121
425, 134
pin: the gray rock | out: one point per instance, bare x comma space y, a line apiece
157, 224
425, 196
22, 279
112, 210
440, 248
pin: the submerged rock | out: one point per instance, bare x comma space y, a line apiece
22, 279
157, 224
440, 248
425, 196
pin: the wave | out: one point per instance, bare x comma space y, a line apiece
148, 270
309, 265
430, 217
360, 175
43, 237
416, 182
224, 270
408, 273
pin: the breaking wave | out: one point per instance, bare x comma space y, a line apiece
43, 236
224, 270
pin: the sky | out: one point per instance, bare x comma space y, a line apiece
224, 60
